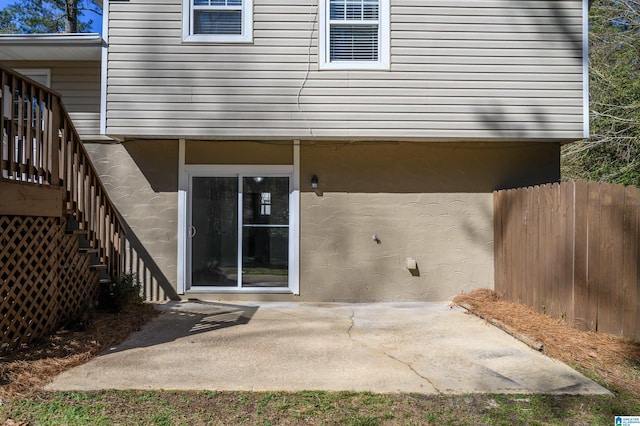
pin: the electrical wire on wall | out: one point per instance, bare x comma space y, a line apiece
313, 20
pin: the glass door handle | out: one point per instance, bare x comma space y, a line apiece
192, 231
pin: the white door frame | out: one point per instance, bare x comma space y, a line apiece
185, 172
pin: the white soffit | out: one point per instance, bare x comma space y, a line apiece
50, 47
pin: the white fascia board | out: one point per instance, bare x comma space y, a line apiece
54, 38
49, 47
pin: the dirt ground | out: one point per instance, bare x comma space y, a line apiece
26, 370
612, 360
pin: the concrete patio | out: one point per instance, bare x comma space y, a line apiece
383, 347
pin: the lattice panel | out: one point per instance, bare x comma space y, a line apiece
28, 265
45, 279
78, 283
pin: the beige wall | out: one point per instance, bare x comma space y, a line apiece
141, 178
239, 152
459, 69
431, 202
79, 84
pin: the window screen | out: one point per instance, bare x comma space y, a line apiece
217, 17
354, 30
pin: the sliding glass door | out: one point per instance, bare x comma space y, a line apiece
239, 231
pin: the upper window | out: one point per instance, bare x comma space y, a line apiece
218, 20
354, 34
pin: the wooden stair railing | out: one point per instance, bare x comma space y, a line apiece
41, 146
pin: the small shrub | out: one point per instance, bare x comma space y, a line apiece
121, 293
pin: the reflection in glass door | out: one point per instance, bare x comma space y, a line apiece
265, 231
240, 231
214, 231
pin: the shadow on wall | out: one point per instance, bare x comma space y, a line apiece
561, 20
182, 319
158, 162
424, 167
528, 118
141, 179
138, 260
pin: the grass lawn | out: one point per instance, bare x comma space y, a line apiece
611, 361
344, 408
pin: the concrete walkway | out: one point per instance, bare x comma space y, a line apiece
384, 347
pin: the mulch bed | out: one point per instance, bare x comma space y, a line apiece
28, 369
615, 360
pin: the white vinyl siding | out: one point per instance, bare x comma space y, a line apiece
79, 84
218, 20
483, 69
41, 75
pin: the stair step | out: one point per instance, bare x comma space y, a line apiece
88, 250
104, 281
77, 231
99, 266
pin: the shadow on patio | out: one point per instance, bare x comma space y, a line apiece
182, 319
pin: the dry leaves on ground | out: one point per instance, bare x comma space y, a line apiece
614, 359
28, 369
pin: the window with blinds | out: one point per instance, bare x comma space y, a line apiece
220, 20
353, 30
355, 34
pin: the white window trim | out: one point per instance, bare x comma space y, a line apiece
384, 38
245, 37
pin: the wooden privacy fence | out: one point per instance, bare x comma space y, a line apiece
44, 276
571, 250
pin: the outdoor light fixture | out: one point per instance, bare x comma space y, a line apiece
314, 182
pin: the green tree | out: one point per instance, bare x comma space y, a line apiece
46, 16
612, 154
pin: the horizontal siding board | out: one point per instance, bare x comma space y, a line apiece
187, 70
491, 68
254, 132
339, 96
497, 117
287, 78
126, 107
211, 86
266, 123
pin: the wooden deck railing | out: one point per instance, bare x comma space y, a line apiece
40, 146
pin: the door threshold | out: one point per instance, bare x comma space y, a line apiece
255, 290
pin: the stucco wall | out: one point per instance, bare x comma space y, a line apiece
431, 202
238, 152
141, 178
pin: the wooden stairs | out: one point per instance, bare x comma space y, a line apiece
60, 234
